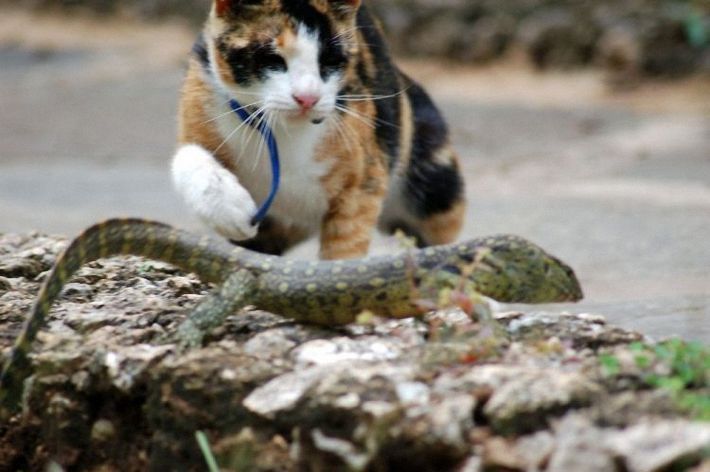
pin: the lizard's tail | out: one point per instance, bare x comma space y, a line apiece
206, 257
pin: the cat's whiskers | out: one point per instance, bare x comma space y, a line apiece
357, 137
344, 33
353, 136
253, 131
282, 123
266, 119
375, 119
260, 138
358, 116
231, 111
365, 97
238, 127
342, 132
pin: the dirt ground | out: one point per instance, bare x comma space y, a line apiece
617, 184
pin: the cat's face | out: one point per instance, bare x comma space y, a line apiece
285, 57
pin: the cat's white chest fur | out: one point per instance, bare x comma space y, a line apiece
301, 199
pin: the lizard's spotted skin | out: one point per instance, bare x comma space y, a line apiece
505, 268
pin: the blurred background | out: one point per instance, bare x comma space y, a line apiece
582, 125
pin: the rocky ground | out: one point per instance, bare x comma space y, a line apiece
523, 392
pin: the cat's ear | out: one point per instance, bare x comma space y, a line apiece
223, 7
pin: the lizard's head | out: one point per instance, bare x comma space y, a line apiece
513, 270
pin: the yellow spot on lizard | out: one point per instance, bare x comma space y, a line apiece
377, 282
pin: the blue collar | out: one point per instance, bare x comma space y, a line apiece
268, 136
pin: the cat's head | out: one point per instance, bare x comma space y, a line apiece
288, 56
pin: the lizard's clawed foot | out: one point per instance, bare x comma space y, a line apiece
211, 312
188, 336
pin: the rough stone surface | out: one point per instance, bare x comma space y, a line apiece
445, 393
654, 445
524, 402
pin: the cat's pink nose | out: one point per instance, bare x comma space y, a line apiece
306, 101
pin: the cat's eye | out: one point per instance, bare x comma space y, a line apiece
270, 60
331, 60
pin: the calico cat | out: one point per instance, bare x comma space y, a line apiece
362, 145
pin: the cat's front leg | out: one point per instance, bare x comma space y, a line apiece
213, 193
346, 231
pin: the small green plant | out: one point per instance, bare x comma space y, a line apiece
679, 367
204, 444
687, 377
610, 364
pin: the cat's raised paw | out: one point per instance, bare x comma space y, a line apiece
213, 193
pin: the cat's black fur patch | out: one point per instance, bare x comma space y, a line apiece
254, 61
384, 84
331, 59
304, 13
431, 186
391, 227
199, 49
237, 7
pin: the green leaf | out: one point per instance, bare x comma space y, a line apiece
610, 364
663, 351
697, 404
686, 373
642, 361
674, 384
207, 451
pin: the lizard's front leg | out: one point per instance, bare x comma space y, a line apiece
235, 293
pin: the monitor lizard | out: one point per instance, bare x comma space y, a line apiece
506, 268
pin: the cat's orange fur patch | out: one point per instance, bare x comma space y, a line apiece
195, 122
356, 186
443, 228
286, 41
